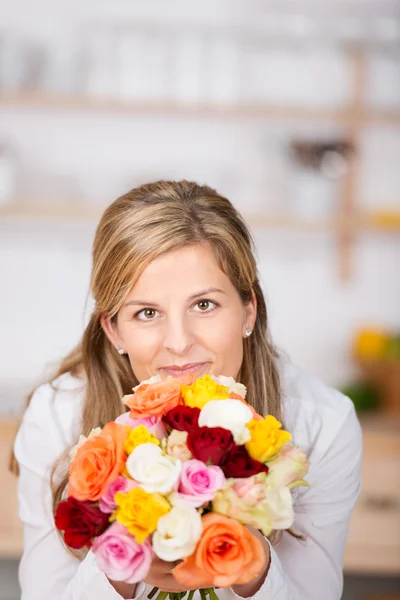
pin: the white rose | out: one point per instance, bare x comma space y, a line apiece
229, 414
177, 533
231, 384
152, 470
278, 505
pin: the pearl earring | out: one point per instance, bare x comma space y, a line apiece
248, 332
120, 351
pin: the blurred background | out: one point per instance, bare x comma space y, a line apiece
289, 108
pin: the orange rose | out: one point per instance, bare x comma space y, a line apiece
226, 554
235, 396
97, 463
158, 398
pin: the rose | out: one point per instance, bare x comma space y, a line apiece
153, 379
176, 445
231, 384
251, 490
82, 440
238, 463
266, 438
156, 399
226, 554
120, 556
80, 521
235, 396
137, 436
139, 511
152, 470
279, 507
97, 463
210, 444
182, 418
198, 483
229, 414
107, 502
153, 424
252, 503
202, 391
177, 533
288, 467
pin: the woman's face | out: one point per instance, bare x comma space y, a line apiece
183, 310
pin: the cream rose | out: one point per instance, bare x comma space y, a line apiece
177, 533
154, 471
176, 445
229, 414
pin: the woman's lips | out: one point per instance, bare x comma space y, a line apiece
190, 369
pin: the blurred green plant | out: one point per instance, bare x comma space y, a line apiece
365, 396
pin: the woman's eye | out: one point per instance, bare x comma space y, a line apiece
145, 312
204, 304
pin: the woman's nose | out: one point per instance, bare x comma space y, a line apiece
178, 337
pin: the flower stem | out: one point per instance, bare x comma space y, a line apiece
191, 594
153, 592
162, 596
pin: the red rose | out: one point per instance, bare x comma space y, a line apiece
182, 418
210, 444
80, 521
238, 463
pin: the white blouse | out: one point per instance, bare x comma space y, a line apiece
322, 421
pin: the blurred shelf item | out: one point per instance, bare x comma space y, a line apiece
151, 107
10, 524
373, 544
385, 376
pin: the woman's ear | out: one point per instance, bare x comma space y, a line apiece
251, 311
109, 330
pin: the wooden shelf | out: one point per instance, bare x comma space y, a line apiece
89, 212
151, 107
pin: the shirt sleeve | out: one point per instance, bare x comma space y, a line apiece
47, 569
313, 568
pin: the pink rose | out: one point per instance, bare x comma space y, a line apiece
152, 423
198, 483
119, 555
251, 490
121, 484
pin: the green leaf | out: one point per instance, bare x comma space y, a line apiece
101, 425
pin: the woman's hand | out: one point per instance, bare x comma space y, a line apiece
160, 576
125, 590
249, 589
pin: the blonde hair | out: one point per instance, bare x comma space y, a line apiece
135, 229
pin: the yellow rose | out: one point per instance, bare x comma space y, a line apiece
202, 391
266, 438
140, 511
139, 435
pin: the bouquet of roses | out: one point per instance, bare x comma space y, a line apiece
179, 477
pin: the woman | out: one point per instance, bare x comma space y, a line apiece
176, 290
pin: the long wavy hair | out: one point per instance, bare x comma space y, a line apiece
135, 229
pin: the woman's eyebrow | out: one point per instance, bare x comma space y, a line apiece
193, 297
